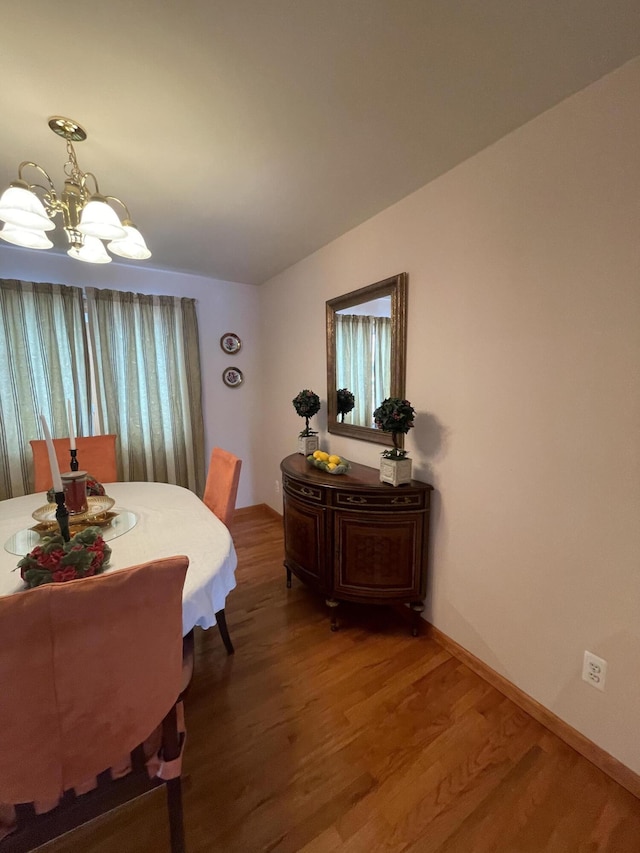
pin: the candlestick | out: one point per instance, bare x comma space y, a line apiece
53, 462
62, 516
74, 462
72, 435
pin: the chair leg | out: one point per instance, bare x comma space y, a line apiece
221, 619
176, 823
188, 657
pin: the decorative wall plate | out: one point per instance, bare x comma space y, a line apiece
230, 342
232, 377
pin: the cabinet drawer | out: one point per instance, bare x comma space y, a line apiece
393, 499
303, 490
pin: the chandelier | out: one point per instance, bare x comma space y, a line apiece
88, 217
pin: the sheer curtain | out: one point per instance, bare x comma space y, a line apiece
43, 353
363, 363
381, 333
353, 352
147, 381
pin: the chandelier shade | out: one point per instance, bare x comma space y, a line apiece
20, 206
28, 238
92, 251
88, 217
100, 220
132, 246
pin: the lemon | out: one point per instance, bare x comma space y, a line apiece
331, 466
322, 454
335, 459
317, 454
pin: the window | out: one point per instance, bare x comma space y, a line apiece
363, 362
141, 375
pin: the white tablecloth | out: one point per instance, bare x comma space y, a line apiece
171, 520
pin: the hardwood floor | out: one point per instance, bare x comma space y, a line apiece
362, 741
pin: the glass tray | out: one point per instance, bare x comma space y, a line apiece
117, 524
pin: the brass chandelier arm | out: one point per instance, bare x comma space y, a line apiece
69, 204
86, 175
24, 164
50, 198
126, 209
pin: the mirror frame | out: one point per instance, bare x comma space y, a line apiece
396, 287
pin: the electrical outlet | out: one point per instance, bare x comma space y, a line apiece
277, 487
594, 670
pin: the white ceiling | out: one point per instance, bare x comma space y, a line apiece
245, 134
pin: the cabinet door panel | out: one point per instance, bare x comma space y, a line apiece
378, 557
304, 531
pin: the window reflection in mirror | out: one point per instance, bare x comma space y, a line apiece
366, 344
363, 357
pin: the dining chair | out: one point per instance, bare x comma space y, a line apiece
221, 488
96, 454
93, 715
220, 493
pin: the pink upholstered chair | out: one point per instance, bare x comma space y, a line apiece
90, 715
96, 454
221, 490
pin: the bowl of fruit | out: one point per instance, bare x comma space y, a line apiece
328, 462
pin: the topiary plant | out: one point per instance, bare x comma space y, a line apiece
306, 404
395, 416
346, 402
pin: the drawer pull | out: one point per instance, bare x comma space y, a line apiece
353, 499
307, 492
403, 500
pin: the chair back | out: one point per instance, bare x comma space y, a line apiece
90, 667
221, 488
96, 454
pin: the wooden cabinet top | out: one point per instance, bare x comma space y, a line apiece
358, 476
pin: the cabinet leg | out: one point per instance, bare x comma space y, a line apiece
288, 577
333, 604
417, 607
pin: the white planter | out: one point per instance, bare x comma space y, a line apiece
395, 471
307, 444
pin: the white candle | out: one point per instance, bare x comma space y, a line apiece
53, 462
72, 437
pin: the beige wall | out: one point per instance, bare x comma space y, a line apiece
524, 366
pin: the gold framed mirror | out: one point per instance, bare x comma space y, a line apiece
366, 355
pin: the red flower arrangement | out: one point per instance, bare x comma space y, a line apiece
57, 561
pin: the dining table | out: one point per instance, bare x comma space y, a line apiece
146, 522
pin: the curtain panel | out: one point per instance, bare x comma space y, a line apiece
44, 358
381, 360
146, 367
363, 363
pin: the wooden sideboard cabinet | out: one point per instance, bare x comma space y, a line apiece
354, 538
